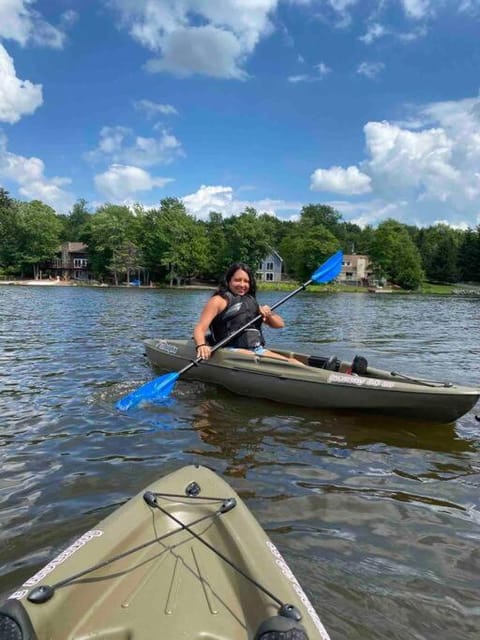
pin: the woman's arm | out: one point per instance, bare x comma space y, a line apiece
215, 305
271, 318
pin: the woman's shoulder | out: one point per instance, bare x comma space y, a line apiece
223, 294
219, 300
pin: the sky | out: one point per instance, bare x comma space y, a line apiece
369, 106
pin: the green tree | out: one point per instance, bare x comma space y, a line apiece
310, 241
469, 256
75, 223
353, 238
109, 229
321, 214
438, 246
32, 235
175, 244
217, 246
247, 240
395, 256
126, 259
8, 225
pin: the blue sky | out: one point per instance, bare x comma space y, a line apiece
371, 106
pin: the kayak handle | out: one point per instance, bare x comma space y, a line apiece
290, 611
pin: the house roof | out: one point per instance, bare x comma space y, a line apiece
74, 247
273, 252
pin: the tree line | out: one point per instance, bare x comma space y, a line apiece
168, 244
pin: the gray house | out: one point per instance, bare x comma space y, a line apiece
270, 269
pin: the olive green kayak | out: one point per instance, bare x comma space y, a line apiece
319, 382
185, 559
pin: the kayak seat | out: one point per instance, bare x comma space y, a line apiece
332, 363
359, 365
280, 628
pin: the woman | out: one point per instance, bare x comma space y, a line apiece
231, 307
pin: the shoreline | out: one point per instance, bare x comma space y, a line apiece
466, 289
73, 283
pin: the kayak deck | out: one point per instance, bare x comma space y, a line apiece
184, 559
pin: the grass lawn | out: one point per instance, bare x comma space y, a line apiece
426, 287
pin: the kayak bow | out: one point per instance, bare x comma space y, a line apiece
183, 559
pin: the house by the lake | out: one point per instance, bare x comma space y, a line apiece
270, 269
356, 270
71, 262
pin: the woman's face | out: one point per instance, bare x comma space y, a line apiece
239, 283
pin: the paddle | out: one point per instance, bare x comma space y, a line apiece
160, 388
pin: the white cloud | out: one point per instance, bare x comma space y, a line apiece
28, 174
20, 22
197, 36
303, 77
17, 97
415, 34
338, 180
206, 199
368, 212
471, 7
121, 145
370, 69
417, 9
122, 182
321, 71
155, 108
204, 50
375, 31
222, 200
338, 11
423, 174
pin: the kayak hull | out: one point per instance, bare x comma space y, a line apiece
170, 578
317, 387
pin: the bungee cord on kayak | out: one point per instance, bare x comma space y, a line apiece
426, 383
43, 593
289, 610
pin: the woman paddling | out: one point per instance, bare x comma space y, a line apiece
231, 307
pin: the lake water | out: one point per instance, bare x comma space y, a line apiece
378, 518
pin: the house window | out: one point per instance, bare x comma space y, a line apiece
269, 266
269, 276
79, 263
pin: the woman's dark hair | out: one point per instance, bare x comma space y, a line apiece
223, 287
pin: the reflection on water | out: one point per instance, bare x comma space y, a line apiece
378, 517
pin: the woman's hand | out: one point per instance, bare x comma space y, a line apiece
265, 311
204, 351
270, 317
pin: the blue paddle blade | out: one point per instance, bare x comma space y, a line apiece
330, 269
153, 391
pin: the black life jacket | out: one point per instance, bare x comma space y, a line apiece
239, 311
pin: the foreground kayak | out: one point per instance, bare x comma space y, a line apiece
325, 383
184, 559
